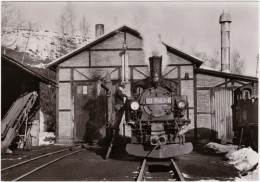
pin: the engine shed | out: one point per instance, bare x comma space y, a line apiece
81, 112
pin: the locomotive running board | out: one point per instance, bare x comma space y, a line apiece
164, 151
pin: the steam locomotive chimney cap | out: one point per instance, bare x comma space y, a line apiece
224, 17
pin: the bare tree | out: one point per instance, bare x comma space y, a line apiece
209, 61
115, 21
11, 21
67, 19
29, 28
84, 27
66, 25
237, 63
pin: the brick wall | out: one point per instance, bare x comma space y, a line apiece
174, 59
170, 72
203, 100
187, 89
105, 58
114, 42
208, 81
133, 41
81, 59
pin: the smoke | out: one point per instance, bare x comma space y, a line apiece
152, 46
152, 40
150, 31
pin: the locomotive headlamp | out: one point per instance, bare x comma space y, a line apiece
181, 104
134, 105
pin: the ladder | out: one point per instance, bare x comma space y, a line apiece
19, 114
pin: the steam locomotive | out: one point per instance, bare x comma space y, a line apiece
245, 115
157, 115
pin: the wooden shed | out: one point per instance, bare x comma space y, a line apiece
81, 114
18, 80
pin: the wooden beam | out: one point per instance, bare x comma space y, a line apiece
179, 79
118, 49
82, 74
64, 110
140, 72
195, 104
170, 71
180, 65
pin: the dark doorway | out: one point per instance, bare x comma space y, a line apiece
89, 113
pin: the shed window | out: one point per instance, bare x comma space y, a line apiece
79, 89
85, 89
246, 94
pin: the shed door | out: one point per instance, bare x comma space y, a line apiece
222, 114
89, 113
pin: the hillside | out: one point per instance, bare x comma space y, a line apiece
43, 46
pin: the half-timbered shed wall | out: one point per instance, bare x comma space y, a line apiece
214, 104
81, 113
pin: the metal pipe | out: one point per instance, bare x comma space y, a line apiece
225, 20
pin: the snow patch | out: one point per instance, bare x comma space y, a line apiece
44, 138
219, 148
243, 159
186, 175
42, 44
251, 176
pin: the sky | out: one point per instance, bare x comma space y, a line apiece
181, 24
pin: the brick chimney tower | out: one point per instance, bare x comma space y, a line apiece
99, 29
225, 20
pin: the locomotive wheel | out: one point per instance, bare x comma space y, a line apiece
28, 143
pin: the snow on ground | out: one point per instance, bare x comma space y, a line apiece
41, 45
244, 159
251, 176
218, 148
46, 138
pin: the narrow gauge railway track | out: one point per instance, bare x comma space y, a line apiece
23, 169
159, 171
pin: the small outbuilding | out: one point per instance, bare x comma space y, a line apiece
18, 80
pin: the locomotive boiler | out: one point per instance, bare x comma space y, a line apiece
157, 115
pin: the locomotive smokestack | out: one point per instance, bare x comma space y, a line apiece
156, 68
225, 20
99, 30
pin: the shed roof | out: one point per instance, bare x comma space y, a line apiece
123, 28
226, 75
28, 70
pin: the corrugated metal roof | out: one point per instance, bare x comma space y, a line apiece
226, 75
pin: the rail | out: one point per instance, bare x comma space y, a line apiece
44, 163
24, 162
176, 171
